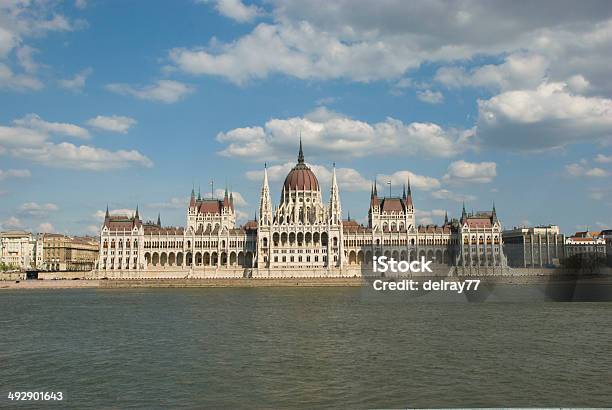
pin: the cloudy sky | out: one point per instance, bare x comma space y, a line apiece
125, 103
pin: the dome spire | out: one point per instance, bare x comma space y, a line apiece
301, 153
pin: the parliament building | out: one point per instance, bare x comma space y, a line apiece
304, 236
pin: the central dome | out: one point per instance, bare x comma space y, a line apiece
301, 178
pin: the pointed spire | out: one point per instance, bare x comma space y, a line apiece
136, 215
192, 199
463, 213
301, 153
107, 214
159, 220
335, 210
349, 216
375, 193
409, 191
265, 203
445, 217
494, 213
199, 193
404, 192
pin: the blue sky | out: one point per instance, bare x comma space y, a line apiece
131, 103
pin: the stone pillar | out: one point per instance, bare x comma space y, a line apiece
531, 243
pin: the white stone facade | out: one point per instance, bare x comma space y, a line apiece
21, 249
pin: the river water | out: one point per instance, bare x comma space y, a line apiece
308, 348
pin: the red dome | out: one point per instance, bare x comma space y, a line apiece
301, 178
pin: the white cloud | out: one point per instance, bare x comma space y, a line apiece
36, 210
603, 159
93, 229
77, 82
446, 194
430, 97
66, 155
113, 123
165, 91
364, 41
25, 57
326, 100
20, 136
20, 21
242, 216
46, 227
14, 173
237, 10
172, 203
299, 50
12, 223
80, 4
578, 170
7, 41
578, 83
599, 193
426, 217
275, 172
400, 178
28, 140
350, 179
517, 71
335, 135
463, 171
17, 82
99, 215
548, 117
34, 122
433, 212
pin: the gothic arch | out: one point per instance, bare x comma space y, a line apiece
352, 258
155, 259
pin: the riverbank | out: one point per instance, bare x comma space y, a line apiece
275, 282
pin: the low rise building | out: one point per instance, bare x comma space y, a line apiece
534, 247
585, 243
67, 253
20, 249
